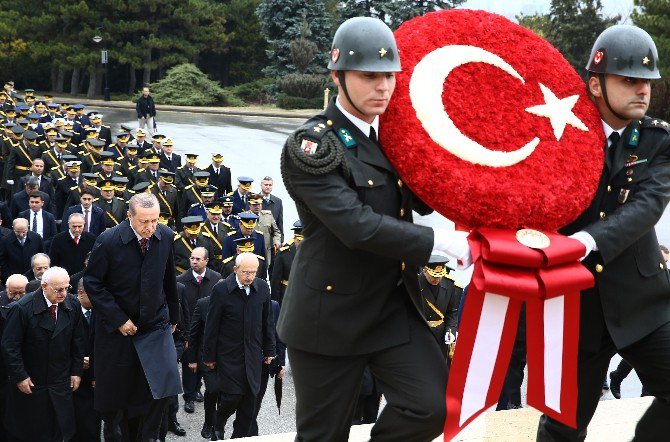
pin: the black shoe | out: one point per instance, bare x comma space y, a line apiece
199, 397
206, 431
189, 407
605, 386
218, 435
615, 386
176, 428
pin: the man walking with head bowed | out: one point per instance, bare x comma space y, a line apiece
131, 283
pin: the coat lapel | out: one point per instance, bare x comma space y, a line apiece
64, 317
40, 308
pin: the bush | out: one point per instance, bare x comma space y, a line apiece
303, 85
289, 102
256, 91
658, 108
186, 85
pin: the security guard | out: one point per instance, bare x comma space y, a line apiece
167, 197
440, 296
241, 193
191, 237
192, 193
114, 208
246, 229
283, 262
628, 310
244, 245
353, 298
218, 231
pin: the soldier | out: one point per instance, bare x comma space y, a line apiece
220, 174
169, 159
141, 140
49, 141
244, 245
227, 212
89, 184
628, 310
119, 148
52, 112
184, 174
90, 159
267, 225
192, 193
104, 132
191, 237
208, 194
283, 263
115, 209
241, 193
81, 117
217, 231
53, 155
21, 156
67, 184
154, 146
121, 188
10, 116
150, 174
108, 167
167, 197
440, 297
246, 229
129, 163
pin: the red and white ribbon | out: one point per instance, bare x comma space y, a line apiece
506, 274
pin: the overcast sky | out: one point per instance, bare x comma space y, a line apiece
510, 8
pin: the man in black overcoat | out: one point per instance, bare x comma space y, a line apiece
17, 249
628, 310
70, 248
43, 348
239, 338
130, 280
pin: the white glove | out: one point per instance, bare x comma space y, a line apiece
10, 182
587, 240
454, 244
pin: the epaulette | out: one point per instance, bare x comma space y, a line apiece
176, 236
448, 276
656, 123
105, 126
227, 224
172, 185
131, 167
95, 200
258, 231
229, 193
283, 249
231, 233
227, 260
194, 204
188, 187
62, 178
206, 234
266, 212
262, 258
74, 187
180, 167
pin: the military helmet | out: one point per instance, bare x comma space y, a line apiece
624, 50
364, 44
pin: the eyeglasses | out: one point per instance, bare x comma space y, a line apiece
248, 272
62, 289
16, 292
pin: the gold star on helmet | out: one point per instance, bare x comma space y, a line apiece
655, 122
665, 124
645, 60
382, 52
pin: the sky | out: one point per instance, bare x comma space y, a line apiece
511, 8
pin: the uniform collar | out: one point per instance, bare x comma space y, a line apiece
360, 124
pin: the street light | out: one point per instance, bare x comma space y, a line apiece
103, 55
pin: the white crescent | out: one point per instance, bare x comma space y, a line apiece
425, 91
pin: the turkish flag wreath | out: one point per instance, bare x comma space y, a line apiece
492, 128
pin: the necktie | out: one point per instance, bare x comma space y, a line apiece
52, 311
215, 230
199, 278
154, 174
85, 220
373, 135
216, 171
76, 240
144, 245
164, 193
193, 242
58, 156
34, 229
22, 241
611, 151
87, 315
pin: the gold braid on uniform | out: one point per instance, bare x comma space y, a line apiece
328, 156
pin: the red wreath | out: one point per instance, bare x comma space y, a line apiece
546, 190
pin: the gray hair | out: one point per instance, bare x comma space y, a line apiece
267, 178
144, 200
16, 278
75, 215
53, 272
20, 220
244, 257
32, 182
39, 255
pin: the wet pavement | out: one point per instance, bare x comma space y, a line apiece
251, 146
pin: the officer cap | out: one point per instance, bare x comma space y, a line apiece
192, 220
132, 147
11, 111
126, 127
95, 116
90, 178
167, 142
68, 157
122, 135
165, 173
95, 142
78, 107
437, 266
90, 130
217, 157
153, 158
144, 186
70, 110
51, 131
158, 137
29, 91
8, 125
140, 133
624, 50
23, 122
245, 179
214, 207
40, 103
73, 164
255, 199
34, 116
191, 157
120, 181
248, 220
106, 184
30, 135
59, 139
245, 244
107, 158
201, 175
297, 225
52, 105
208, 191
226, 201
66, 133
18, 130
22, 107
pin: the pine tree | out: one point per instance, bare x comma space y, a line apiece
394, 12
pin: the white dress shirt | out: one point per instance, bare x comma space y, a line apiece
40, 222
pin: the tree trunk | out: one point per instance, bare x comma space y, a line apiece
92, 83
133, 80
54, 77
146, 78
60, 79
74, 82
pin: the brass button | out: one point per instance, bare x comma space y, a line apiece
402, 266
629, 172
609, 188
329, 122
599, 268
370, 183
329, 288
629, 179
399, 183
602, 215
661, 265
402, 212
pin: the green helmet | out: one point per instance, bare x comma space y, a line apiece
624, 50
364, 44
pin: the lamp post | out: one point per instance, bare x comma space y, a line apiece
103, 55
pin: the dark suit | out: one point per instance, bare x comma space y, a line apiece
277, 208
48, 352
14, 257
97, 215
222, 180
63, 189
444, 297
192, 293
628, 311
360, 244
122, 284
239, 202
88, 420
239, 333
19, 203
65, 253
282, 269
49, 227
47, 187
170, 165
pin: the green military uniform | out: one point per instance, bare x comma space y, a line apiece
217, 234
115, 209
167, 199
184, 175
183, 246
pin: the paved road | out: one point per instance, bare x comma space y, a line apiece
251, 146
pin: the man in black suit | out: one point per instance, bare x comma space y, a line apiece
273, 203
39, 263
94, 216
628, 310
41, 222
69, 249
357, 222
43, 348
20, 200
44, 183
168, 159
239, 338
219, 175
17, 249
131, 281
15, 288
198, 282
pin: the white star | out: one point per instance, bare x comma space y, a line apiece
559, 111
